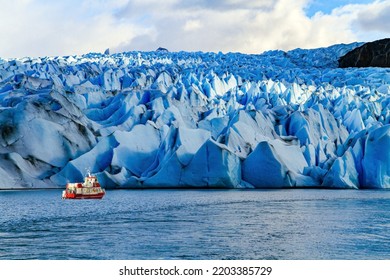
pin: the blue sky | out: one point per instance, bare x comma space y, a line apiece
326, 7
67, 27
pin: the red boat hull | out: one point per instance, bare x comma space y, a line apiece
83, 196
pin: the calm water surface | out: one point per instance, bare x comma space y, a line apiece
196, 224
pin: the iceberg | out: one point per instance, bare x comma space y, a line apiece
204, 120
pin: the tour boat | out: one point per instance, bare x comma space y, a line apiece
90, 189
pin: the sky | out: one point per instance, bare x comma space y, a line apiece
69, 27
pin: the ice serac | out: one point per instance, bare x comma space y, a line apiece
96, 160
212, 166
166, 119
343, 173
273, 164
137, 149
376, 161
189, 142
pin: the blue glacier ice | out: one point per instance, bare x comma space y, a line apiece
165, 119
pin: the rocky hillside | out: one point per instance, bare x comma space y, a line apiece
373, 54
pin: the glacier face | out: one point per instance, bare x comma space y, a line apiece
160, 119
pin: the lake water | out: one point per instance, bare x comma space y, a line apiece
197, 224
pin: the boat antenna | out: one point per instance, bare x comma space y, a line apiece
88, 172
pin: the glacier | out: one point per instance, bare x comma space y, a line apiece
193, 119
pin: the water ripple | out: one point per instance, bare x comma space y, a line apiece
191, 224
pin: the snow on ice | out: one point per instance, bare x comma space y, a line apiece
163, 119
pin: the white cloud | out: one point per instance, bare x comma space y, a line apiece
192, 25
375, 18
44, 27
252, 26
359, 22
